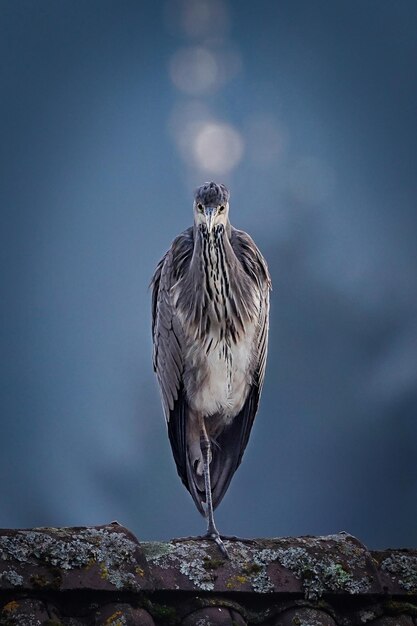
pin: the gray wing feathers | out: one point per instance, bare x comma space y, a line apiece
168, 348
255, 266
167, 357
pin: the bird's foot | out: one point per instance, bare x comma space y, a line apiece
214, 536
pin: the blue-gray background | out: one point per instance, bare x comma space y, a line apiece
111, 113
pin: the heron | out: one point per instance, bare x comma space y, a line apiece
210, 320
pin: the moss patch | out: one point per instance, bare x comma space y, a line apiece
162, 612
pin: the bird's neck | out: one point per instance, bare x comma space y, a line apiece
213, 267
211, 250
217, 288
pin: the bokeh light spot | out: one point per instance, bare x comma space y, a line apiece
195, 18
218, 147
194, 70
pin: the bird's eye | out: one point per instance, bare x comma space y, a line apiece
221, 208
200, 207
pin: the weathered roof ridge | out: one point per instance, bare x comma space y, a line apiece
109, 561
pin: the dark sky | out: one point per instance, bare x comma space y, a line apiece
111, 113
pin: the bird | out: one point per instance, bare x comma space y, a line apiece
210, 322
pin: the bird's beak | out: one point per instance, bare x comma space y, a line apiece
210, 213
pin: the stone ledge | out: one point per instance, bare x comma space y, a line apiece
104, 576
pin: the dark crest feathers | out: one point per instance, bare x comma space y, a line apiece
212, 194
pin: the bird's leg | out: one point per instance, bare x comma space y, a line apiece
212, 532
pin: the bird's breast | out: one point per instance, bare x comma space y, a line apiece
221, 375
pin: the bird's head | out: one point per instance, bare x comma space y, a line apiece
211, 205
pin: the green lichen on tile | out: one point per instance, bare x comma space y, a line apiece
156, 550
12, 577
321, 571
70, 551
194, 570
236, 581
251, 569
337, 576
122, 580
318, 569
403, 568
249, 565
189, 557
213, 563
333, 564
104, 572
39, 581
63, 550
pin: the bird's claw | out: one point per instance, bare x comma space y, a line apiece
212, 536
218, 541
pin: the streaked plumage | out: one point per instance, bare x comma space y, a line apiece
210, 304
